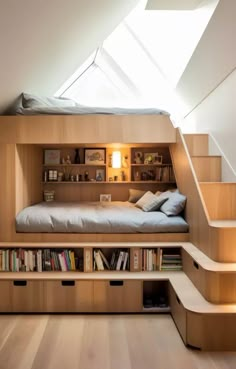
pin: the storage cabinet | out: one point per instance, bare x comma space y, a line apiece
118, 296
5, 293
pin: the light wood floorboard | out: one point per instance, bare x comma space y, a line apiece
100, 341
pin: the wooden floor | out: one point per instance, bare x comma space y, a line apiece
101, 342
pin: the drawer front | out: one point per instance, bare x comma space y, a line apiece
178, 313
68, 296
27, 296
5, 293
117, 296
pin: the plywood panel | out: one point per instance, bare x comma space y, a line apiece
28, 175
197, 144
220, 200
99, 129
207, 169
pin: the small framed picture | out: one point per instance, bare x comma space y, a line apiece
105, 197
138, 157
152, 158
100, 175
52, 157
95, 156
157, 159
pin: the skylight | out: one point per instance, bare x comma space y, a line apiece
140, 63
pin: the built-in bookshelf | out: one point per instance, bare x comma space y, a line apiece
90, 259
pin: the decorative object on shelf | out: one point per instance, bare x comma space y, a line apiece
52, 175
95, 156
100, 175
60, 176
77, 156
86, 176
122, 175
115, 178
125, 161
137, 176
105, 197
138, 157
68, 159
152, 158
52, 157
49, 195
116, 159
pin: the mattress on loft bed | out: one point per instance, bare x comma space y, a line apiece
28, 104
95, 217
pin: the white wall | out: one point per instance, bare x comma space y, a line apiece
208, 85
217, 115
43, 42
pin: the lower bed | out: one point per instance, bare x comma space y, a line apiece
116, 217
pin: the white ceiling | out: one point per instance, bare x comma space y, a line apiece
43, 43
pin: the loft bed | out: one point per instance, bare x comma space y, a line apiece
22, 139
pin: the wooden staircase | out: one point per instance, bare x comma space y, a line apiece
209, 261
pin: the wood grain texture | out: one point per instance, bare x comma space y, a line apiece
198, 144
215, 242
220, 200
207, 168
100, 128
102, 341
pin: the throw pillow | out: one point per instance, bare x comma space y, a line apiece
150, 202
135, 195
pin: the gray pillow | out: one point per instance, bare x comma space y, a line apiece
33, 101
135, 195
150, 202
174, 204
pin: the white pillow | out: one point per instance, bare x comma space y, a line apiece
150, 202
33, 101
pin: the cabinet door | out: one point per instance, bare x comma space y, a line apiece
5, 293
178, 313
27, 296
68, 296
117, 296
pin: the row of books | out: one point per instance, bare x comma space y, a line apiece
119, 260
156, 259
165, 174
21, 260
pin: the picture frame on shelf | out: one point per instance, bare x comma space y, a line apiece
95, 156
152, 158
100, 175
51, 157
138, 157
105, 197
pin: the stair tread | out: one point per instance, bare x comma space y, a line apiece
223, 223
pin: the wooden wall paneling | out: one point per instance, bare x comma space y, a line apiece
198, 144
27, 296
207, 168
6, 294
99, 129
8, 190
68, 296
28, 175
220, 200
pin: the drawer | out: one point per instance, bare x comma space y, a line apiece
5, 293
117, 296
68, 296
27, 296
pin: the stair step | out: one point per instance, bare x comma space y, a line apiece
197, 144
220, 200
207, 168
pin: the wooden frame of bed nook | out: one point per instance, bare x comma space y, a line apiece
204, 310
24, 139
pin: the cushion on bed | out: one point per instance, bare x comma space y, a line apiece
175, 203
33, 101
150, 202
135, 195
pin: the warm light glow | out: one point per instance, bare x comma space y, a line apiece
116, 159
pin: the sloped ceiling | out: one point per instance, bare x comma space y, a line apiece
43, 43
